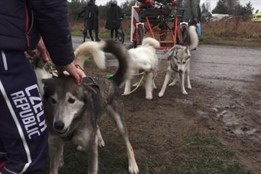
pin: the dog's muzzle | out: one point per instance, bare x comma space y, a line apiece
59, 128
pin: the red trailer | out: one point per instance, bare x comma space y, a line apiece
160, 21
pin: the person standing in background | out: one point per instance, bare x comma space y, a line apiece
113, 21
85, 30
192, 13
91, 16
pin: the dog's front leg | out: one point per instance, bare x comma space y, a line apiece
154, 84
119, 120
101, 142
93, 153
55, 153
149, 85
165, 83
187, 74
127, 88
182, 76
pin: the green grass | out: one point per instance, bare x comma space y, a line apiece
204, 154
198, 154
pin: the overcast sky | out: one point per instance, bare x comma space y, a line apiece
256, 3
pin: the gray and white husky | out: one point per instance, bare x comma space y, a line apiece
73, 111
179, 62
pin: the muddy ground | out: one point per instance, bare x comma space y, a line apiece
224, 102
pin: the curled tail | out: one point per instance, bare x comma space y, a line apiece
121, 53
93, 49
151, 42
97, 51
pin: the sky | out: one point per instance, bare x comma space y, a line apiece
256, 3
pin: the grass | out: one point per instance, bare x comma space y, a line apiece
236, 33
198, 154
205, 154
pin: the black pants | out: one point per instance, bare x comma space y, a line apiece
96, 35
116, 33
23, 131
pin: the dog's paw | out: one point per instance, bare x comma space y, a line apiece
161, 94
101, 143
133, 168
173, 82
184, 92
149, 97
189, 87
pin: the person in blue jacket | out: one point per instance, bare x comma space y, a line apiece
23, 133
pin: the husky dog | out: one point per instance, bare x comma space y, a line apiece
144, 59
179, 62
73, 111
41, 68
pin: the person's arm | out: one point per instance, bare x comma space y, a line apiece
121, 15
43, 51
51, 18
97, 11
81, 13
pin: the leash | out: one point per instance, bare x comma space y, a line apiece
139, 83
50, 68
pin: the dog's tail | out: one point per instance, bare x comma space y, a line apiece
151, 42
121, 53
91, 49
97, 51
193, 37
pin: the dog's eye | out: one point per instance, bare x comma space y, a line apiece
184, 62
71, 100
53, 101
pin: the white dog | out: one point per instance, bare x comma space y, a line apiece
145, 59
179, 62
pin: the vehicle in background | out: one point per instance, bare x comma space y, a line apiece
256, 17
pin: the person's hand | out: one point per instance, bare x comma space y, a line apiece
44, 54
75, 72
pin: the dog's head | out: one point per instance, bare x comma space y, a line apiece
67, 104
179, 56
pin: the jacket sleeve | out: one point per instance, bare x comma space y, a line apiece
51, 18
97, 11
121, 15
194, 9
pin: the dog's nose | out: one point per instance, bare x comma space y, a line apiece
180, 71
59, 125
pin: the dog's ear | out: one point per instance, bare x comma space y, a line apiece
48, 90
188, 52
170, 52
93, 98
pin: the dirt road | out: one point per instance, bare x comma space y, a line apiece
225, 99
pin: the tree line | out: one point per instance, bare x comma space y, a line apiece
232, 7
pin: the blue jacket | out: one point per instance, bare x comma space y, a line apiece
23, 21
